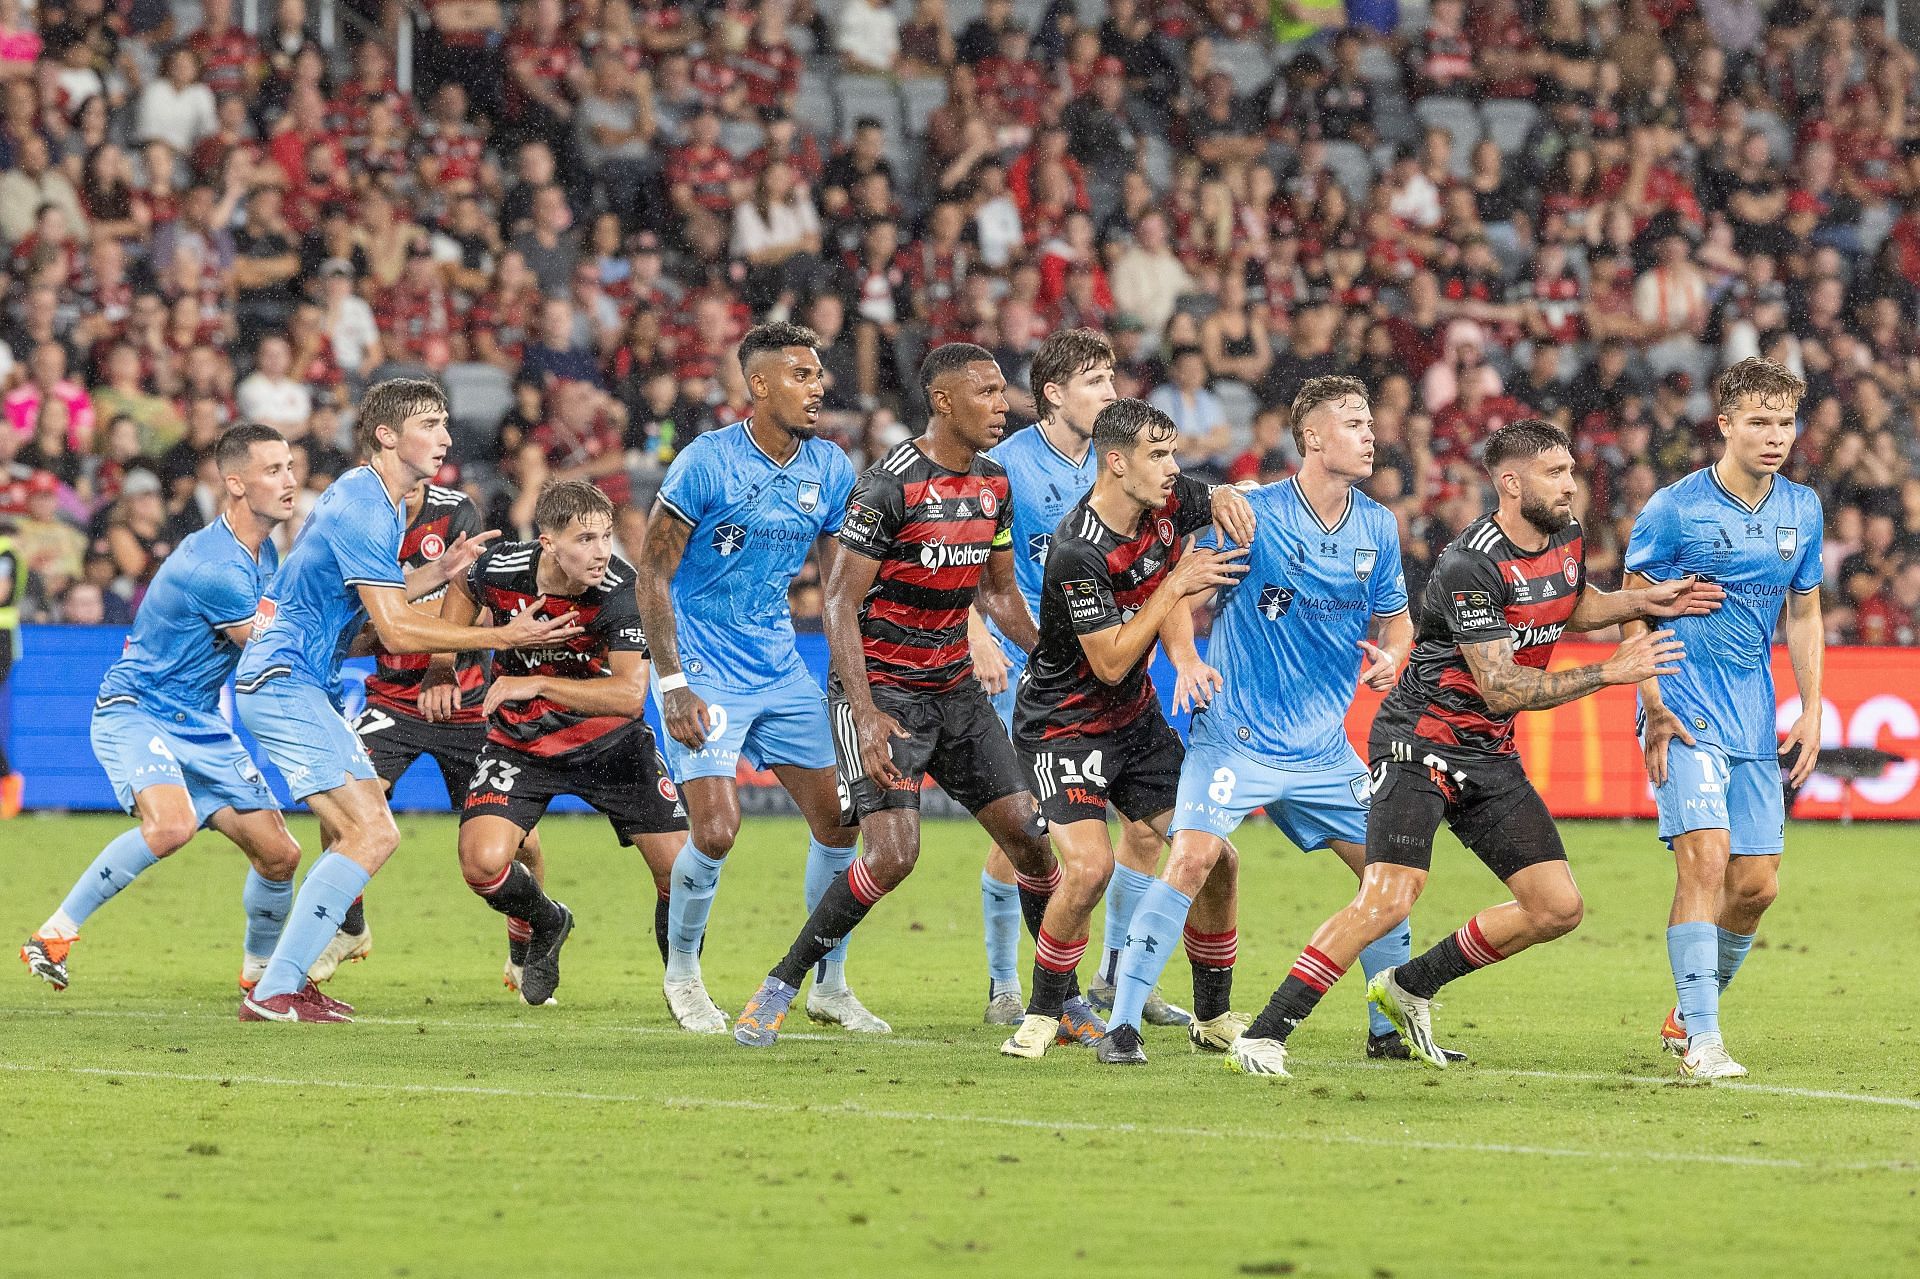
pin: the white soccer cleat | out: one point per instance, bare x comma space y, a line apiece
1036, 1034
1258, 1057
1410, 1015
693, 1008
843, 1008
512, 975
344, 948
1217, 1034
1707, 1061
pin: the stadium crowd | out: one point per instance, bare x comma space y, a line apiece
569, 213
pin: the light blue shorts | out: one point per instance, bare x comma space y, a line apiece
1219, 788
1003, 701
1707, 789
305, 736
785, 724
139, 749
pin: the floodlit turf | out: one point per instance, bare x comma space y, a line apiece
455, 1132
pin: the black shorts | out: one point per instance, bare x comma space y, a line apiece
955, 737
1137, 770
1494, 810
625, 781
395, 739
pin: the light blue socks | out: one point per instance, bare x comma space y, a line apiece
267, 904
1693, 950
696, 878
118, 865
325, 894
824, 862
1159, 920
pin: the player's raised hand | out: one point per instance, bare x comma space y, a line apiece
877, 730
990, 664
1803, 740
1207, 568
1232, 516
1662, 728
1383, 665
463, 551
1194, 685
528, 629
509, 688
688, 720
1646, 655
1683, 597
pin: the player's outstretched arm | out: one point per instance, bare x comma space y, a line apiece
1807, 649
405, 629
621, 691
439, 685
990, 664
1682, 597
1000, 599
849, 578
1195, 682
1112, 652
425, 579
661, 550
1507, 686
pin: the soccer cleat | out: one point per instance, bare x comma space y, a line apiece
1217, 1034
1158, 1012
693, 1008
295, 1007
1410, 1015
512, 975
345, 947
759, 1024
843, 1008
13, 790
1673, 1035
1079, 1024
1258, 1057
1707, 1061
1005, 1009
313, 995
1393, 1047
1120, 1046
46, 957
541, 977
1036, 1034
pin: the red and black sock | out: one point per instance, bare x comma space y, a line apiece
1450, 957
660, 923
845, 903
519, 933
515, 894
1312, 976
355, 921
1035, 892
1212, 956
1054, 962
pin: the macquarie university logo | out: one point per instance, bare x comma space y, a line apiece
1274, 602
729, 538
1364, 559
1038, 544
1786, 541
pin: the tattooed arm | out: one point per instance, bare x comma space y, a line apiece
1508, 686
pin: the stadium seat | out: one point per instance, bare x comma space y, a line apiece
921, 98
1351, 165
813, 105
1237, 401
1247, 61
1378, 65
1459, 118
739, 138
1509, 122
479, 396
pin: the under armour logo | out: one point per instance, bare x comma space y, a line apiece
319, 912
1147, 943
106, 872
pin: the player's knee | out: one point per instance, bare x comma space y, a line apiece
714, 836
167, 835
1558, 916
481, 862
1086, 878
891, 866
373, 841
1384, 906
1754, 897
278, 858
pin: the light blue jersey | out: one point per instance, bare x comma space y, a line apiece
1045, 484
1286, 639
1724, 690
311, 613
753, 522
178, 656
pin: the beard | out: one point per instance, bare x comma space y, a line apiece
1547, 519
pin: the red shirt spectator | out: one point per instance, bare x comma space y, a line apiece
230, 61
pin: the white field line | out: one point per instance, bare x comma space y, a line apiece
855, 1041
987, 1121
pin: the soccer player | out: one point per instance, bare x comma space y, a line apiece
563, 719
737, 515
1709, 728
927, 530
420, 704
1442, 746
1050, 465
343, 570
1088, 723
157, 729
1323, 573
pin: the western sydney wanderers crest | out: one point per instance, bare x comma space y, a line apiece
1274, 602
809, 496
1571, 571
1164, 527
1364, 559
989, 504
433, 546
1786, 541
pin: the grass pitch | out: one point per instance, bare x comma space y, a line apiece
455, 1132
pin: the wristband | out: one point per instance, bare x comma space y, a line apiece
670, 682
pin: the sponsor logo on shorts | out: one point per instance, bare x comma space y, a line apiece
1080, 795
1362, 788
486, 797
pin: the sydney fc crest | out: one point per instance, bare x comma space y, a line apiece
1786, 541
809, 496
1363, 561
1274, 602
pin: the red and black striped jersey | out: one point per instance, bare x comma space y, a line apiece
505, 579
395, 682
932, 530
1483, 588
1098, 578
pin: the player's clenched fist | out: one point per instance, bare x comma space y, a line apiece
686, 717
